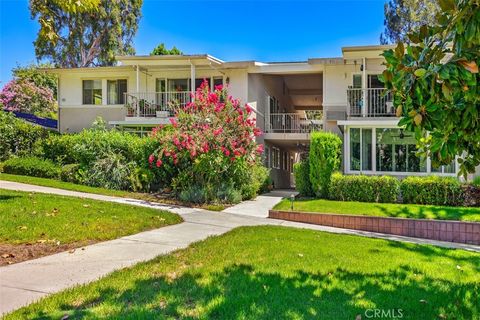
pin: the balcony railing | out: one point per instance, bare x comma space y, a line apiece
373, 102
154, 104
292, 123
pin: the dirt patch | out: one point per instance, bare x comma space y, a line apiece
14, 253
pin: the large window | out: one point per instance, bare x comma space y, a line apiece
178, 85
116, 90
397, 151
92, 91
360, 149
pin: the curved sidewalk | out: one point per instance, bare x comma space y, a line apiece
25, 282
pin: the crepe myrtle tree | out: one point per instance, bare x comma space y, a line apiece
435, 85
210, 141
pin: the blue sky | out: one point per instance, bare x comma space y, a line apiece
268, 30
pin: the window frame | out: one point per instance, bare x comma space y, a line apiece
92, 92
120, 96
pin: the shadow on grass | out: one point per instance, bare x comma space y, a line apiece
241, 292
6, 197
429, 212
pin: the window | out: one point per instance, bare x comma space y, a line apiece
374, 81
116, 90
217, 81
275, 158
357, 81
267, 157
397, 151
178, 85
360, 149
449, 168
92, 91
198, 82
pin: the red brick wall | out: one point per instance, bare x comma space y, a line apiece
443, 230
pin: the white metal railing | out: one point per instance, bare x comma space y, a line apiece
154, 104
292, 123
379, 103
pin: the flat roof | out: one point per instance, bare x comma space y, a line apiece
369, 48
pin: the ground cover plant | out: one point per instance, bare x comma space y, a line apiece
395, 210
35, 224
274, 273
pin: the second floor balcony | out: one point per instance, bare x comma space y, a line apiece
294, 122
371, 102
155, 104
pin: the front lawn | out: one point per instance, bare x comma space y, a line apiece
44, 223
280, 273
53, 183
382, 209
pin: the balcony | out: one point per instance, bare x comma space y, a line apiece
379, 103
294, 122
154, 104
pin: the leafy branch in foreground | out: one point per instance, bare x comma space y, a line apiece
435, 83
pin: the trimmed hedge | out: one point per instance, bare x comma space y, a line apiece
31, 166
432, 190
301, 171
364, 188
324, 158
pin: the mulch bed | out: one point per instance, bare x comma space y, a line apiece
14, 253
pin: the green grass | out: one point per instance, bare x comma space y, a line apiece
53, 183
29, 217
382, 209
280, 273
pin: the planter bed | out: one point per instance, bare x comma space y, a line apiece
443, 230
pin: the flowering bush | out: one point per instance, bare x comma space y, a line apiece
25, 96
210, 148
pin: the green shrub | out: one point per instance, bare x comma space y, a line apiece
476, 181
141, 179
193, 194
257, 182
228, 194
17, 137
111, 173
324, 158
364, 188
90, 145
70, 173
301, 170
432, 190
31, 166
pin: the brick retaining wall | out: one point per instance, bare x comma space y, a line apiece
443, 230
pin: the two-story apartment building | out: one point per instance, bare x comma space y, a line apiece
290, 99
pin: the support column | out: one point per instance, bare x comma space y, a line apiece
138, 79
365, 86
192, 78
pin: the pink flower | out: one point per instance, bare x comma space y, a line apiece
257, 132
159, 163
248, 108
173, 121
260, 149
217, 132
151, 158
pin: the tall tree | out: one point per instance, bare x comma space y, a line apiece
161, 50
436, 84
404, 16
85, 33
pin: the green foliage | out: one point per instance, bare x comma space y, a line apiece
364, 188
435, 83
193, 194
31, 166
161, 50
74, 33
32, 73
405, 16
433, 190
88, 146
301, 170
111, 172
324, 158
476, 181
70, 173
257, 182
17, 137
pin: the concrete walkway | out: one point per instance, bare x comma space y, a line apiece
260, 205
25, 282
